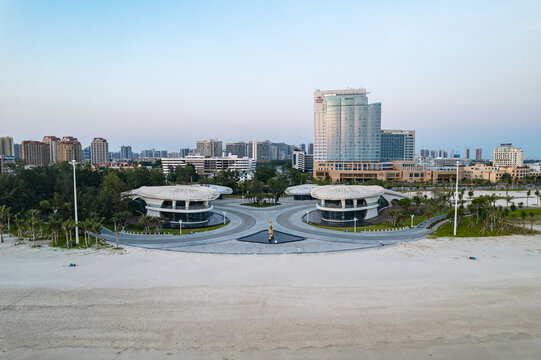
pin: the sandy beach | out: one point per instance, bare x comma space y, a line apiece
423, 299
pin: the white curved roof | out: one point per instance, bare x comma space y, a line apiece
304, 189
341, 192
176, 192
221, 189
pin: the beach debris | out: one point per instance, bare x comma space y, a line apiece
72, 265
472, 258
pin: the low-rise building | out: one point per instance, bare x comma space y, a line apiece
209, 165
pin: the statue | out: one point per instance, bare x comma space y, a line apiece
271, 232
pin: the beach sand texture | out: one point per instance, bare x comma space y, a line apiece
424, 299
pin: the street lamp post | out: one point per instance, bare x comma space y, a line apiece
225, 212
73, 162
412, 215
180, 227
456, 197
354, 224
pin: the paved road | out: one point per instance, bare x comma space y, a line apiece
248, 220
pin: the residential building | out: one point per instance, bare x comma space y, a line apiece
17, 152
99, 151
261, 150
53, 147
184, 152
209, 148
397, 145
302, 147
467, 154
237, 148
209, 165
508, 155
35, 153
302, 161
87, 153
126, 152
6, 146
69, 148
478, 154
310, 149
494, 173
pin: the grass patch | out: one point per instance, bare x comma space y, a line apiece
264, 205
465, 230
140, 228
383, 226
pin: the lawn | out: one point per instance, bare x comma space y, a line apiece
382, 226
464, 230
140, 228
264, 205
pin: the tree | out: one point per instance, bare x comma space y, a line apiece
97, 224
120, 219
531, 220
86, 225
538, 195
264, 173
277, 186
470, 194
33, 223
513, 208
19, 222
528, 193
54, 227
523, 214
2, 215
146, 221
67, 225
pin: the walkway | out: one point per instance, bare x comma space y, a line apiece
245, 220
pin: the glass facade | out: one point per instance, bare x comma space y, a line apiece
346, 126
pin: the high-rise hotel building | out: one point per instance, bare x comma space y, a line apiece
346, 126
53, 147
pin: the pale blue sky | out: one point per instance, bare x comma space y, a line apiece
163, 74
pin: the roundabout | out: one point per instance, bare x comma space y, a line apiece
286, 218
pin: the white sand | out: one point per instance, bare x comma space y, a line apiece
418, 300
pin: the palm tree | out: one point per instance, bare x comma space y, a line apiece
2, 214
528, 193
513, 209
96, 229
7, 214
147, 222
54, 225
120, 218
19, 222
531, 219
85, 226
66, 226
33, 222
523, 215
470, 194
538, 195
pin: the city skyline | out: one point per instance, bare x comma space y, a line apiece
126, 70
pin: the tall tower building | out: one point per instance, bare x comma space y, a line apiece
53, 147
236, 148
6, 146
99, 151
35, 153
70, 149
346, 126
478, 154
126, 152
467, 154
209, 148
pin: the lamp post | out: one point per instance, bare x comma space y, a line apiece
73, 162
225, 212
456, 197
355, 224
412, 215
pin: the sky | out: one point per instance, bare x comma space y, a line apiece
163, 74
